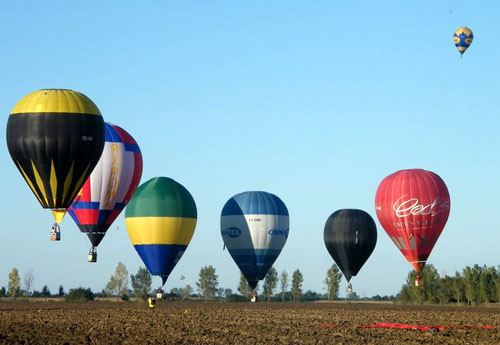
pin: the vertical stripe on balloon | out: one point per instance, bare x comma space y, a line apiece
109, 187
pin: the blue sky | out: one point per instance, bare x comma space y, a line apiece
314, 101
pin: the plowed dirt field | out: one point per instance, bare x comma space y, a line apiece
241, 323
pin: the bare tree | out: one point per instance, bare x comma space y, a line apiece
28, 280
284, 284
187, 291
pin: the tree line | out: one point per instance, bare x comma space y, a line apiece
473, 286
275, 287
15, 289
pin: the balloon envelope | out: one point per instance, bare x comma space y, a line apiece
462, 38
110, 186
350, 237
254, 228
160, 220
55, 138
413, 207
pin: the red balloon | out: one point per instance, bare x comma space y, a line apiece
413, 206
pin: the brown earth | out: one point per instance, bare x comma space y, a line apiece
240, 323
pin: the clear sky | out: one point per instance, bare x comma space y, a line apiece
314, 101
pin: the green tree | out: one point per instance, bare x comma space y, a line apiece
404, 295
444, 291
14, 283
207, 282
45, 291
187, 292
332, 282
457, 286
284, 284
176, 292
141, 283
270, 283
497, 284
79, 294
60, 293
430, 279
310, 296
416, 292
487, 281
3, 292
118, 282
471, 283
244, 288
352, 296
219, 293
227, 292
297, 280
421, 294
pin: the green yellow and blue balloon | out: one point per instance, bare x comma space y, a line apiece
160, 220
463, 38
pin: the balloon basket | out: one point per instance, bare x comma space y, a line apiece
92, 255
55, 236
418, 281
55, 233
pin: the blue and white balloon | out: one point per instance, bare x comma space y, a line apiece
254, 228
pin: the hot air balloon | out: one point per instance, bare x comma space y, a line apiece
413, 207
160, 220
350, 237
254, 228
55, 138
462, 38
109, 188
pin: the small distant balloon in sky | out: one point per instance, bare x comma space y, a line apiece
462, 38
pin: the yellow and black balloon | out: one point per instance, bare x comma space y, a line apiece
160, 220
55, 138
463, 38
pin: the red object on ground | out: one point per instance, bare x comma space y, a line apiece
413, 207
422, 328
